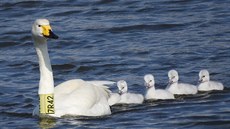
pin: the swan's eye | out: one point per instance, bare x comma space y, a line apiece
39, 25
203, 76
150, 80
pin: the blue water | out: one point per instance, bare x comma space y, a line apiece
113, 40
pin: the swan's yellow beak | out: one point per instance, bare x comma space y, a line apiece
47, 32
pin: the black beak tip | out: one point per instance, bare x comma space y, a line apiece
55, 36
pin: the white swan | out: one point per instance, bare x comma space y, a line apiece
153, 93
206, 84
125, 97
73, 97
179, 88
114, 99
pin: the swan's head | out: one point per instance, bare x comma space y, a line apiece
204, 76
173, 76
149, 80
41, 30
122, 86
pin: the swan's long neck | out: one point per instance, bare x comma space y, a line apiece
46, 84
152, 88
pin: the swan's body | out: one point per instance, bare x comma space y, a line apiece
179, 88
206, 84
124, 97
114, 98
182, 89
153, 93
78, 97
73, 97
131, 98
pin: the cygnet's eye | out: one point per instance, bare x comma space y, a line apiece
150, 80
203, 76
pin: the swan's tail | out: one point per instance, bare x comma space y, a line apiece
103, 85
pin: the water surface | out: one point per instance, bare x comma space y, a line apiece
113, 40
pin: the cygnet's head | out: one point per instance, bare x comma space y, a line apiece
204, 76
149, 80
173, 76
122, 86
41, 30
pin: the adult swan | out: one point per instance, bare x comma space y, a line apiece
74, 97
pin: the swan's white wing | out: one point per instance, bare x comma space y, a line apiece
104, 83
217, 85
84, 99
164, 94
159, 94
71, 85
211, 85
131, 98
182, 89
189, 89
114, 98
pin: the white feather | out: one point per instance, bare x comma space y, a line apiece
114, 98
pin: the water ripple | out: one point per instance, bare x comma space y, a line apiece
113, 40
144, 27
